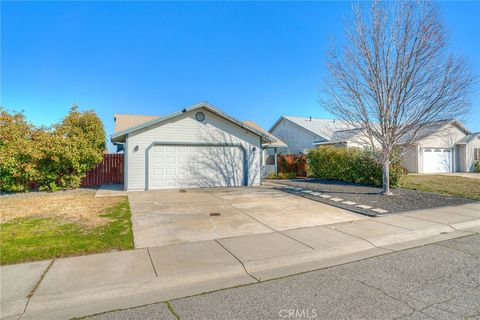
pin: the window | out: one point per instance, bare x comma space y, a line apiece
270, 160
476, 154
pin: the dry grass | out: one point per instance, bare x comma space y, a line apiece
80, 207
453, 185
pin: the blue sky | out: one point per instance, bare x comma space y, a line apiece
254, 60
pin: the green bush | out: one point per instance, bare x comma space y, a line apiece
287, 175
281, 175
476, 167
50, 159
350, 164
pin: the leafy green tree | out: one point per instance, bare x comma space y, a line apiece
17, 155
84, 125
49, 158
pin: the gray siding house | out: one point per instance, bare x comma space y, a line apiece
199, 146
300, 134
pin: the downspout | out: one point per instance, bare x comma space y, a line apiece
261, 161
276, 167
125, 164
454, 160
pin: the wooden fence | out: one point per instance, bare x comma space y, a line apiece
109, 171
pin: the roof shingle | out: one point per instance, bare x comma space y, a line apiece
321, 127
125, 121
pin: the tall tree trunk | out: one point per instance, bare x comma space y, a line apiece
386, 178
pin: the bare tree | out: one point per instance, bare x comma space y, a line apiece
393, 78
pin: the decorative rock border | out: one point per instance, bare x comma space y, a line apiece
334, 201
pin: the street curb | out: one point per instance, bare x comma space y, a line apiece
83, 303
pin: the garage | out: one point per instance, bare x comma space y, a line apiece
437, 160
196, 147
196, 166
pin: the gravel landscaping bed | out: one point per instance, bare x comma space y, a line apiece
366, 199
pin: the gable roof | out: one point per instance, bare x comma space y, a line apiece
204, 105
469, 138
433, 127
320, 127
341, 136
277, 143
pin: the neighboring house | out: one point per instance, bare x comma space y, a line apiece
445, 146
300, 133
442, 146
199, 146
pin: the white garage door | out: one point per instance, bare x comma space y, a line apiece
179, 166
437, 160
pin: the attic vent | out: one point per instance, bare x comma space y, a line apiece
200, 116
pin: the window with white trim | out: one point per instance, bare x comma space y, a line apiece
476, 154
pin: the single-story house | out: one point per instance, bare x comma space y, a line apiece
199, 146
301, 133
443, 146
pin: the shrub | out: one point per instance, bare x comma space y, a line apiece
476, 166
18, 157
287, 175
350, 164
290, 163
271, 175
48, 158
281, 175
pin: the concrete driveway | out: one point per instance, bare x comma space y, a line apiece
165, 217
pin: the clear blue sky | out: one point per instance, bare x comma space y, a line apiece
254, 60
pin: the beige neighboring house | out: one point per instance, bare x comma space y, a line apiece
443, 146
199, 146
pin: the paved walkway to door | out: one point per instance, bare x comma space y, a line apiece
165, 217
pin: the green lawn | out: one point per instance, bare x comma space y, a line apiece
453, 185
38, 238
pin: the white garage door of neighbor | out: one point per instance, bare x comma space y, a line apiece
437, 160
172, 167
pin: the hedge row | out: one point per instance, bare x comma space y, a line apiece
350, 164
39, 158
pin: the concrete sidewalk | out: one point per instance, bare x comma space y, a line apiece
436, 281
81, 286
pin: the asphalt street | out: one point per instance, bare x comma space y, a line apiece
437, 281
